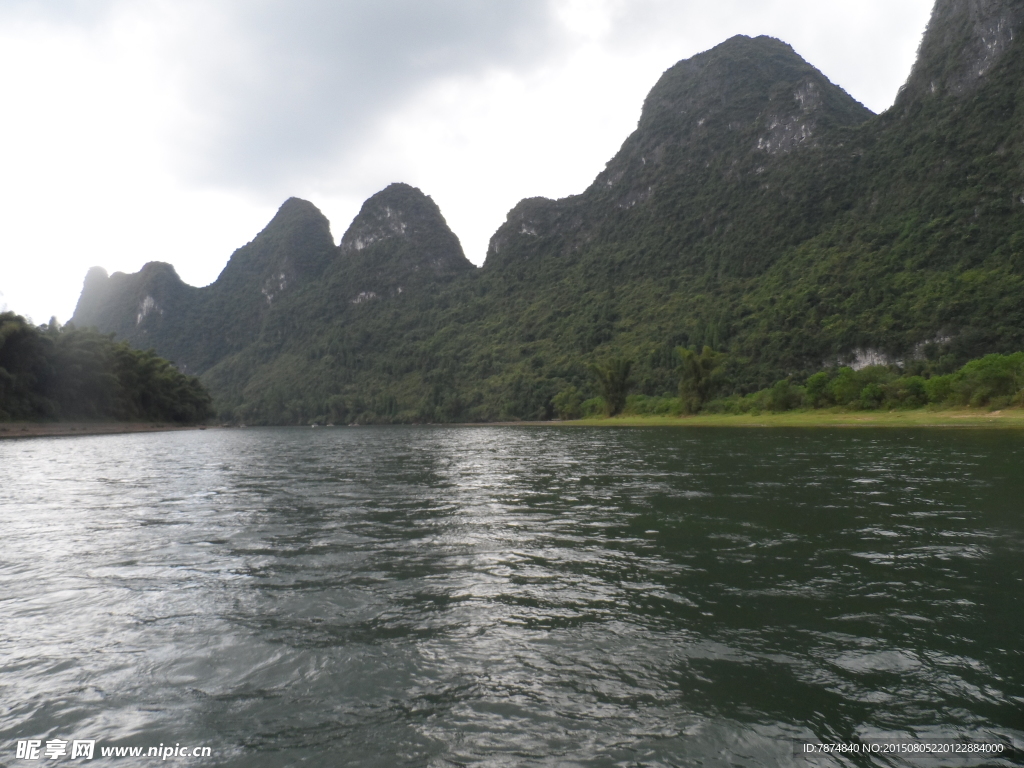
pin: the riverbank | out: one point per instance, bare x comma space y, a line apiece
1012, 418
15, 429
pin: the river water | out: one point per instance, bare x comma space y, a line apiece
502, 596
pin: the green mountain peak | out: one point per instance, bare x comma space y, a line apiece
711, 132
402, 217
964, 41
295, 246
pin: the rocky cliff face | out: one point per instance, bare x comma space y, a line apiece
964, 41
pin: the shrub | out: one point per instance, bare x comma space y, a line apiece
939, 389
845, 387
568, 404
784, 397
979, 381
816, 391
907, 392
871, 397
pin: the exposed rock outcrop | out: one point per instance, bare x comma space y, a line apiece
964, 41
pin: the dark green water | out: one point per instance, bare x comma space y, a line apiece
511, 596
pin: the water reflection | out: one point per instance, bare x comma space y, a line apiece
420, 596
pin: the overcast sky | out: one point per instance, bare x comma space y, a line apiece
171, 130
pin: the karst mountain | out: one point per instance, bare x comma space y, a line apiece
757, 209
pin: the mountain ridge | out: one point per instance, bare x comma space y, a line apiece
757, 208
294, 250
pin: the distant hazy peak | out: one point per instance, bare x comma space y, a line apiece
141, 293
964, 40
94, 296
96, 274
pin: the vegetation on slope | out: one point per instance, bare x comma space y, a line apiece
758, 210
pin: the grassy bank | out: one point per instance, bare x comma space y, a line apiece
1012, 418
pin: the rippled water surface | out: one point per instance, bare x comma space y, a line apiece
510, 596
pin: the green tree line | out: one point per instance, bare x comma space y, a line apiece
51, 372
993, 381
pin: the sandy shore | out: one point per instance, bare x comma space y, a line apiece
15, 429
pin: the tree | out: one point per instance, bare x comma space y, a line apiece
784, 396
612, 382
699, 375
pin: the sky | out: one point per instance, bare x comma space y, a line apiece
172, 130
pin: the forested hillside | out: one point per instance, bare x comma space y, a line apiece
757, 209
67, 373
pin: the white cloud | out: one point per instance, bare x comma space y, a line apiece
160, 130
283, 88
